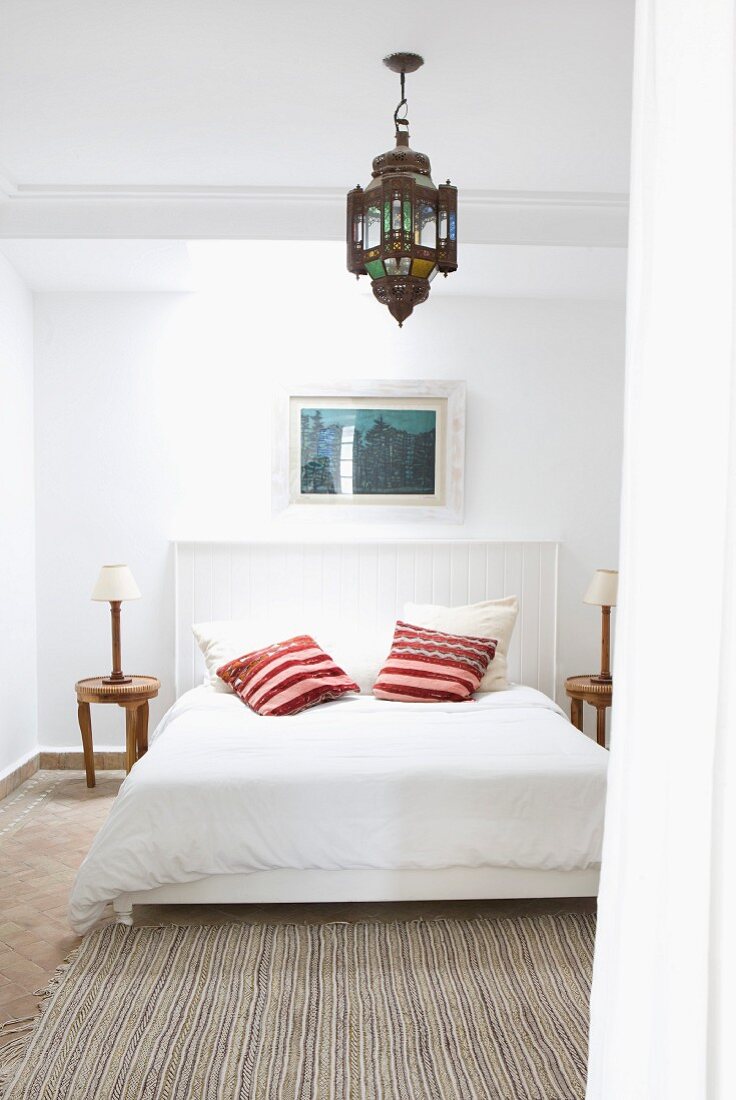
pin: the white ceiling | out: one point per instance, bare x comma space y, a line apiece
519, 95
230, 266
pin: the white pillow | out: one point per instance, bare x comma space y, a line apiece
490, 619
221, 641
361, 654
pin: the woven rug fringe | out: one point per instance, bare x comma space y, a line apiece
12, 1054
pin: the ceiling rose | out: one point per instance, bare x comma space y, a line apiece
402, 230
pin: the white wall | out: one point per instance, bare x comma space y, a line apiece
17, 523
153, 422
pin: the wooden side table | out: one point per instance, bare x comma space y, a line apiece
134, 697
586, 689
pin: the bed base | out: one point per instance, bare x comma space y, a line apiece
313, 886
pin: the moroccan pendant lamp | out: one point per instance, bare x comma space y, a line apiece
401, 229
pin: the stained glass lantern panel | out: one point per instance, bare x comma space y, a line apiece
425, 227
372, 228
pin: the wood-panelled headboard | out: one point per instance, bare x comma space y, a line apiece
368, 583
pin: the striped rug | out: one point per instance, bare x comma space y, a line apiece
416, 1010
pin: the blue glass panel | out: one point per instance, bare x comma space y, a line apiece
453, 230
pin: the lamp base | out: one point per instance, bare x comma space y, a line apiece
601, 679
121, 679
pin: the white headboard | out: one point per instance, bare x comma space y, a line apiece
368, 583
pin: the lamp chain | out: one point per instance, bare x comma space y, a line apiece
402, 120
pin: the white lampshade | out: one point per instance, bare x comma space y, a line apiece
115, 582
603, 589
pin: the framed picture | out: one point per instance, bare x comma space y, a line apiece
379, 450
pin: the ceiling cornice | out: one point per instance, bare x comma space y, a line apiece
278, 213
8, 188
280, 194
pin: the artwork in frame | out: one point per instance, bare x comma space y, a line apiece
379, 450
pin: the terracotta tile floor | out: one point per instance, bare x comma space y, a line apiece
46, 827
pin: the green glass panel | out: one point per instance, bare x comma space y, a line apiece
375, 269
407, 217
386, 219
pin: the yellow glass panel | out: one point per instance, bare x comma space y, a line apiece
422, 268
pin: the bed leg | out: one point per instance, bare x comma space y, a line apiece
123, 910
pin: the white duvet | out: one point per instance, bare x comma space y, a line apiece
503, 781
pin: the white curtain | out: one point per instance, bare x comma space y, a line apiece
664, 975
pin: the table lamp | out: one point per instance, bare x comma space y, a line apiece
115, 584
603, 591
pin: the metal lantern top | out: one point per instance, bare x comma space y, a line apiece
401, 229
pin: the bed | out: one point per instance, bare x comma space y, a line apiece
359, 799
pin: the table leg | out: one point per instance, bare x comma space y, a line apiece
576, 713
85, 725
142, 729
600, 726
130, 736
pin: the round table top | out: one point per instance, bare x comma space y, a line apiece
589, 685
141, 687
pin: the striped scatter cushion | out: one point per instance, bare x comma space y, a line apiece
286, 677
428, 666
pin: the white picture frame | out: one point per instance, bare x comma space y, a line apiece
444, 401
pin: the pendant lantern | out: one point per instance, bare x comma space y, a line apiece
402, 230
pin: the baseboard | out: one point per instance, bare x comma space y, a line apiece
73, 760
54, 760
18, 773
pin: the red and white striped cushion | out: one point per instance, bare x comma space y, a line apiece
428, 666
286, 677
